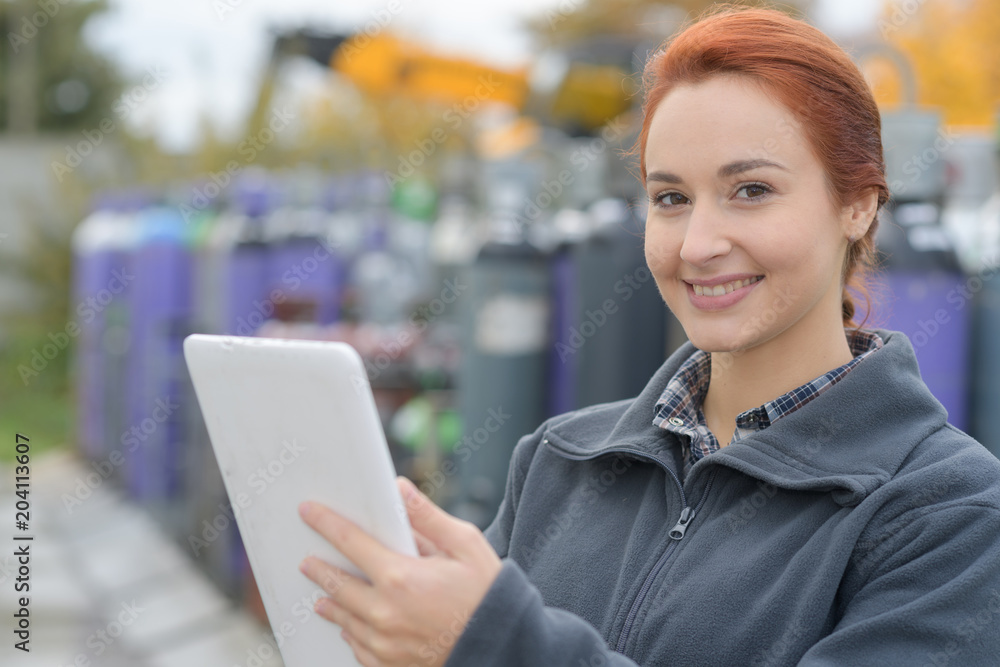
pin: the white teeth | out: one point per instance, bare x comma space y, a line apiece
719, 290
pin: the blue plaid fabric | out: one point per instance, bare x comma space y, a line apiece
679, 408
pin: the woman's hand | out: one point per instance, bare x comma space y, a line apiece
414, 609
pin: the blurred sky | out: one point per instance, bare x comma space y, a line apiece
212, 52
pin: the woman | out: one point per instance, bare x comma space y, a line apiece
785, 491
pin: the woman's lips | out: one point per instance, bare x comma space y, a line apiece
721, 295
724, 288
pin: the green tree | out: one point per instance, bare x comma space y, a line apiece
573, 21
50, 78
51, 82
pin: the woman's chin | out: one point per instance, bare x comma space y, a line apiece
717, 342
719, 349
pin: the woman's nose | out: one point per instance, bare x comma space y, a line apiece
705, 236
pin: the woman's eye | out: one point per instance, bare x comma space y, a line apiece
754, 190
670, 199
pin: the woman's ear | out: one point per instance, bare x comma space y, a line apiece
858, 217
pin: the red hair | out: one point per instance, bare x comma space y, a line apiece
810, 75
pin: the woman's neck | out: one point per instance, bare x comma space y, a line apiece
747, 379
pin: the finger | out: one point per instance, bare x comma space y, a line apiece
364, 656
349, 592
351, 626
332, 612
425, 546
445, 531
355, 544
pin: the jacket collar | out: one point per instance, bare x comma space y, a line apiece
850, 441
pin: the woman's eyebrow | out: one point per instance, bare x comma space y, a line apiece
734, 168
663, 177
725, 171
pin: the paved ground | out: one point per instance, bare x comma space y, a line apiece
109, 589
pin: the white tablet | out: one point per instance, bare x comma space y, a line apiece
292, 421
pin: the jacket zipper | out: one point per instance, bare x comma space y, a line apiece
676, 533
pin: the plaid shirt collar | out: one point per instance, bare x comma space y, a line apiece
679, 407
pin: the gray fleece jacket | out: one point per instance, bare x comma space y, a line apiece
862, 529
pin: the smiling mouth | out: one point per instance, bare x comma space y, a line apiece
725, 288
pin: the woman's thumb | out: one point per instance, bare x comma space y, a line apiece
445, 531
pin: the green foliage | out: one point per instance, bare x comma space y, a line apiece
39, 405
71, 88
74, 86
42, 410
570, 23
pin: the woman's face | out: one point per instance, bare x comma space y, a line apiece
742, 236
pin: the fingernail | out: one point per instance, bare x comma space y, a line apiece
304, 567
305, 509
409, 490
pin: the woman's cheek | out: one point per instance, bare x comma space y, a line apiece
663, 260
661, 253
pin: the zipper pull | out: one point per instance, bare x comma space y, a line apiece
677, 532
